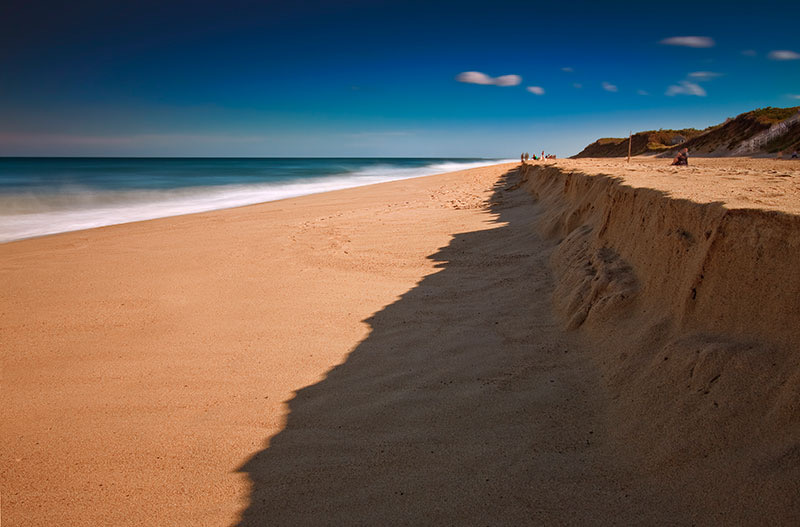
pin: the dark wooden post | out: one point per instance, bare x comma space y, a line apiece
630, 136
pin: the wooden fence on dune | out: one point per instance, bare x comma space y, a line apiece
755, 143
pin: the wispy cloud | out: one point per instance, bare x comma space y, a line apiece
607, 86
538, 90
567, 69
689, 42
642, 92
794, 96
783, 54
749, 53
577, 85
685, 88
704, 75
476, 77
507, 80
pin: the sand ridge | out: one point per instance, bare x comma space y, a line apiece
693, 303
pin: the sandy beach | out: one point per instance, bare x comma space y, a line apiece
571, 342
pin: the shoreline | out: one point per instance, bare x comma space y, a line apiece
42, 214
142, 363
403, 350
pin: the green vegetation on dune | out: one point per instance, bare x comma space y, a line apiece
771, 115
726, 137
721, 139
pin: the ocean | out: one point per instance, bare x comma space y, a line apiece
40, 196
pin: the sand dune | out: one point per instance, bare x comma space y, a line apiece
692, 297
495, 346
700, 248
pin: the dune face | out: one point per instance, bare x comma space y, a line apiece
694, 305
707, 266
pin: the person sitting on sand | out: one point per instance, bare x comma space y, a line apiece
682, 158
794, 154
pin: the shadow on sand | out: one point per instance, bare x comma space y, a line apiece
467, 404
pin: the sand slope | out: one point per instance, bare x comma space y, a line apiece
467, 404
694, 303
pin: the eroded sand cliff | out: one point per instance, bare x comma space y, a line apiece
692, 301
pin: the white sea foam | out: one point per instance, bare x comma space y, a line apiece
29, 215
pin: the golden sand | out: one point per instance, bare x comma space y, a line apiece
492, 346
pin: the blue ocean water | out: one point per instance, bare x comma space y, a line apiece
40, 196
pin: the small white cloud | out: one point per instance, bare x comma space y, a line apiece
607, 86
783, 54
689, 42
476, 77
567, 69
794, 96
749, 53
642, 92
538, 90
685, 88
704, 75
577, 85
508, 80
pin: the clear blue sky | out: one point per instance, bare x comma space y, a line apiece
379, 78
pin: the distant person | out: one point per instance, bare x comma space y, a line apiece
682, 158
794, 154
522, 158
